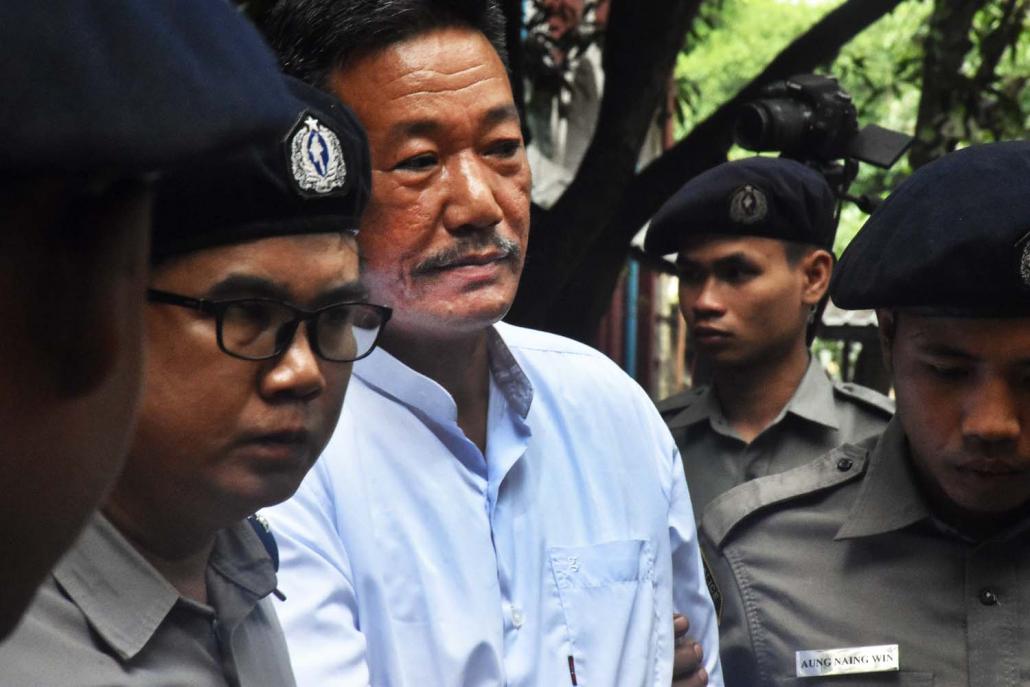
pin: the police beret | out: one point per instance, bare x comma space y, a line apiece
314, 178
92, 85
954, 237
758, 196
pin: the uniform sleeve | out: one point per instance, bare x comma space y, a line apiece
736, 647
320, 613
690, 592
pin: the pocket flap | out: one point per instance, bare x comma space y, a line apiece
601, 565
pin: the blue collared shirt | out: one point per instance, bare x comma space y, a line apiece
410, 558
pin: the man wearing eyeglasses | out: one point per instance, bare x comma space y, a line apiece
255, 315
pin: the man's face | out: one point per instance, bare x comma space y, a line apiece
443, 239
71, 308
742, 301
963, 393
220, 437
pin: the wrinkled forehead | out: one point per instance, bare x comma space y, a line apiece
456, 55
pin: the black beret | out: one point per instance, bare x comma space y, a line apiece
314, 178
953, 238
108, 86
770, 197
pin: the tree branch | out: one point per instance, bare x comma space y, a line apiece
641, 45
576, 307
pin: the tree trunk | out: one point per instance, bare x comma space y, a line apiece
939, 120
641, 44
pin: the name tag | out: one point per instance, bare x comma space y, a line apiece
858, 659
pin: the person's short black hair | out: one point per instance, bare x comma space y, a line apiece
314, 37
795, 250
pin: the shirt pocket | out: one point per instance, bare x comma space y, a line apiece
607, 597
894, 679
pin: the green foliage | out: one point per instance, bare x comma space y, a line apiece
881, 68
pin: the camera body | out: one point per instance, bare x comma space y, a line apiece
809, 117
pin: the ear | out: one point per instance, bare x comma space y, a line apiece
816, 268
887, 323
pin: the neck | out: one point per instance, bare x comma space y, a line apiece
753, 395
461, 366
176, 550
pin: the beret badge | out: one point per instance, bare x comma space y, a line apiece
316, 158
1023, 250
748, 205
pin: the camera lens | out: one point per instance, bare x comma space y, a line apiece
772, 124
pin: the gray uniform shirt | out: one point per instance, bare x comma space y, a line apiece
106, 617
821, 415
844, 553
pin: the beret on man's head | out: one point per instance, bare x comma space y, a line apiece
314, 178
953, 238
770, 197
129, 87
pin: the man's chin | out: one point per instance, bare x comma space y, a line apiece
441, 323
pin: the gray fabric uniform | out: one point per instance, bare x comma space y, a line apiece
106, 617
821, 415
844, 552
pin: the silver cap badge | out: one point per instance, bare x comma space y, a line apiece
316, 158
748, 205
1024, 260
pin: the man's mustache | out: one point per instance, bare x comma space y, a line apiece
465, 248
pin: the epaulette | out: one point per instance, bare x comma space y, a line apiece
677, 402
863, 395
730, 509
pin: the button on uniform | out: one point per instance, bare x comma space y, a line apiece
517, 619
988, 597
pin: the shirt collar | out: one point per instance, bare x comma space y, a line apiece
889, 498
414, 390
703, 406
812, 400
125, 599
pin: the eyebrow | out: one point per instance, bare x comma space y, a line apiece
428, 127
344, 293
944, 351
720, 261
250, 286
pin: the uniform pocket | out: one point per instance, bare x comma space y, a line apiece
607, 596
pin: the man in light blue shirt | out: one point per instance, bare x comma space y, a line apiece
498, 505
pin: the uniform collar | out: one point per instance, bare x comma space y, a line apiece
125, 599
813, 400
702, 406
889, 498
414, 390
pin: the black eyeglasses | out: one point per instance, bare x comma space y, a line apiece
263, 328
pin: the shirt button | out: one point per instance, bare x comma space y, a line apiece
516, 618
988, 597
844, 464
